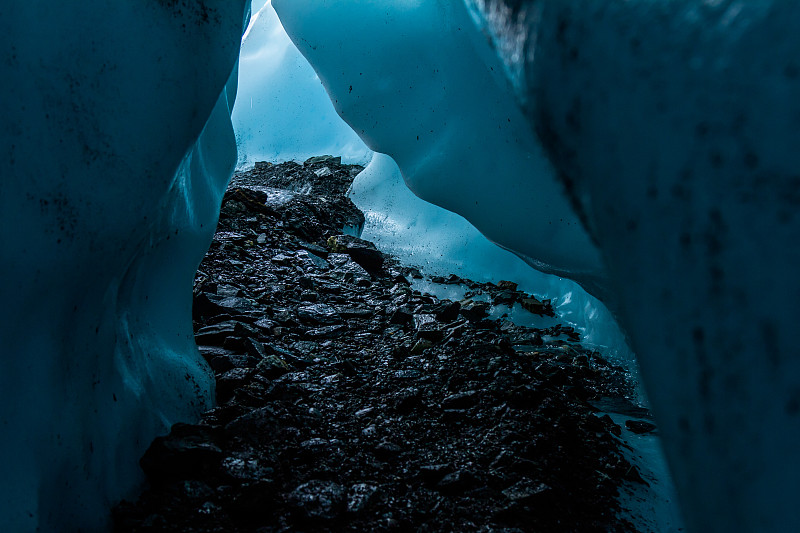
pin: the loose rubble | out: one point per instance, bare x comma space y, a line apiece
349, 402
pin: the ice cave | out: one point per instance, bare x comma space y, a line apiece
620, 173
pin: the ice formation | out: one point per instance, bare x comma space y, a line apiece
282, 112
117, 145
673, 128
418, 89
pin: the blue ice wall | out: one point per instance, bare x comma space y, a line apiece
672, 130
116, 148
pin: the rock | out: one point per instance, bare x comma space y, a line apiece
272, 366
386, 451
407, 374
187, 452
457, 482
259, 424
247, 467
432, 474
309, 296
526, 491
231, 380
255, 349
356, 312
407, 400
363, 252
216, 335
323, 159
312, 260
423, 320
343, 355
237, 304
640, 427
367, 411
505, 298
346, 268
315, 249
210, 352
327, 332
430, 332
507, 285
472, 310
534, 306
265, 324
322, 172
318, 314
223, 363
318, 500
225, 290
420, 346
447, 312
360, 497
461, 400
401, 316
203, 306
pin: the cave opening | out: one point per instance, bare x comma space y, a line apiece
374, 359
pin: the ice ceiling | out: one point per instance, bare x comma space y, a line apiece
653, 159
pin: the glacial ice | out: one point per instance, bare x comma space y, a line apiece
673, 129
117, 146
282, 112
665, 130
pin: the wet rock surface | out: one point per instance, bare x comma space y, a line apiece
349, 402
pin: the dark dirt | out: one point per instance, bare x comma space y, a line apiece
349, 402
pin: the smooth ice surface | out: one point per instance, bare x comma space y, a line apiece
410, 79
282, 111
443, 243
116, 148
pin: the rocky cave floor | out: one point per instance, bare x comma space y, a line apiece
347, 401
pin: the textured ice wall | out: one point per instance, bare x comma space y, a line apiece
674, 129
111, 177
282, 111
410, 79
